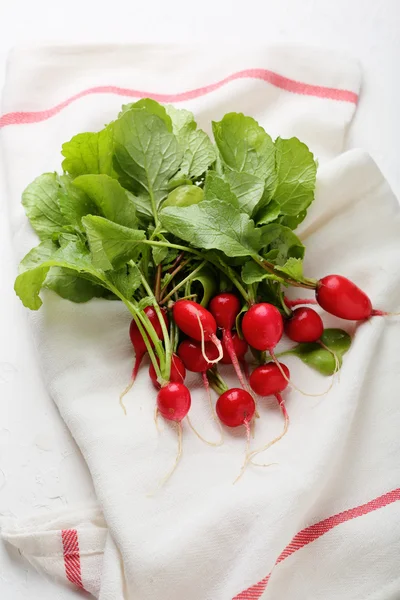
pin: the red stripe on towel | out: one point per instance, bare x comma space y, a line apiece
72, 558
275, 79
312, 533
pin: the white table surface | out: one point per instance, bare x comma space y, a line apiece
40, 468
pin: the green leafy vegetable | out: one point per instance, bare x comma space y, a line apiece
247, 188
253, 273
198, 152
296, 173
40, 201
151, 107
268, 213
73, 202
71, 285
216, 188
88, 153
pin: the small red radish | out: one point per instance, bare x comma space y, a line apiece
194, 320
240, 347
305, 325
342, 298
225, 308
267, 380
262, 326
190, 353
177, 375
173, 401
235, 407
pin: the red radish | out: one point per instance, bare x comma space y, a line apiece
177, 375
342, 298
173, 401
262, 326
305, 325
240, 348
225, 308
194, 320
190, 353
235, 407
268, 380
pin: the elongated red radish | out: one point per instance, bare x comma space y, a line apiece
262, 326
240, 347
177, 374
267, 380
173, 401
191, 355
342, 298
140, 346
305, 325
225, 308
197, 322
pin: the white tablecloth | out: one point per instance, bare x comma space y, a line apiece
40, 467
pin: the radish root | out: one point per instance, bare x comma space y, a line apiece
214, 416
215, 340
247, 450
299, 301
275, 440
177, 459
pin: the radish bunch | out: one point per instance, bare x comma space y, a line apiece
196, 238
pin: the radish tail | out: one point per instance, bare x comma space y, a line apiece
246, 454
177, 459
275, 440
246, 369
214, 416
136, 366
156, 418
381, 313
290, 382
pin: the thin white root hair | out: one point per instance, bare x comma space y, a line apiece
216, 342
290, 382
177, 459
247, 450
275, 440
121, 397
156, 419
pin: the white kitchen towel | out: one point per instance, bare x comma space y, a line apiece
311, 525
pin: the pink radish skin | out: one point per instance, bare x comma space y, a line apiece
189, 352
173, 401
240, 348
187, 315
342, 298
137, 340
225, 308
299, 301
305, 325
267, 380
235, 407
262, 326
177, 375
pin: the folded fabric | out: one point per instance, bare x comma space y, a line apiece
324, 521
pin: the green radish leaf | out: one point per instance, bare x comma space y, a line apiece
198, 152
110, 198
337, 340
293, 222
293, 267
111, 245
88, 153
206, 278
215, 188
211, 226
35, 266
247, 188
144, 302
74, 203
184, 195
244, 146
159, 253
71, 285
238, 321
278, 237
182, 120
127, 279
296, 175
152, 107
253, 273
40, 201
146, 152
268, 213
316, 357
